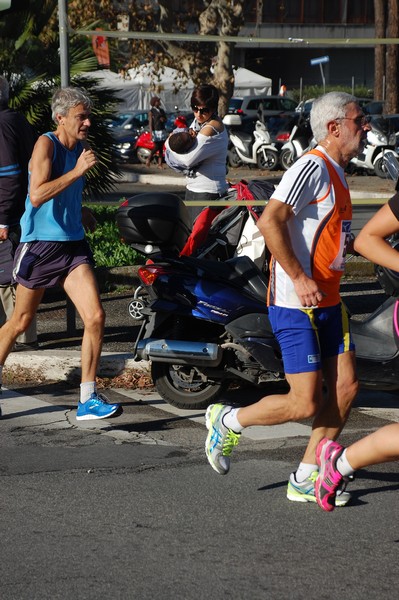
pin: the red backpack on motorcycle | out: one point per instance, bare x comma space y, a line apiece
227, 223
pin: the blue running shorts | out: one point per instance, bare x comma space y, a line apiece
309, 335
46, 264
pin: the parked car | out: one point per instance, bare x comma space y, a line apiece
375, 107
305, 106
131, 119
272, 105
370, 107
126, 127
124, 145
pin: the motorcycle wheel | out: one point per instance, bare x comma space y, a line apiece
271, 161
143, 154
135, 308
233, 159
184, 386
286, 159
380, 168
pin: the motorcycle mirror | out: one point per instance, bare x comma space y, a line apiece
392, 166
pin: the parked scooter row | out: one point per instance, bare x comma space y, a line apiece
206, 324
380, 143
256, 147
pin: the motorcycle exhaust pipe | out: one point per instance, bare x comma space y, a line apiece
179, 352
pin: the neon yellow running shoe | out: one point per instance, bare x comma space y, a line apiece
221, 440
304, 491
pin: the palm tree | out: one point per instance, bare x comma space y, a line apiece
29, 58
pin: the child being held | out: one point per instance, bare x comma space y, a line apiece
180, 142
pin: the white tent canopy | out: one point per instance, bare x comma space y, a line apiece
137, 87
248, 83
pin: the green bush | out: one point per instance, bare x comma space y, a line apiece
314, 91
105, 242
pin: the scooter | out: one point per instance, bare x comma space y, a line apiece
144, 146
299, 142
380, 143
250, 148
206, 325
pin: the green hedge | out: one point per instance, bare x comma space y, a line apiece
105, 242
314, 91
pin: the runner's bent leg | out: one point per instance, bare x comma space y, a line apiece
342, 386
301, 402
377, 447
81, 287
26, 305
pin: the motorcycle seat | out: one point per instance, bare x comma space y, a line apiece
241, 272
254, 280
246, 138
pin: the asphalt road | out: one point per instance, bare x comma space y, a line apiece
129, 508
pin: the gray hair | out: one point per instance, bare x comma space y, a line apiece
66, 98
4, 90
327, 108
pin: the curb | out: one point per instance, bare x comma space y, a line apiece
150, 178
64, 365
158, 179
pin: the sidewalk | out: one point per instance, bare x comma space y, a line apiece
64, 365
361, 186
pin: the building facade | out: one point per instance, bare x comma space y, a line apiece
309, 19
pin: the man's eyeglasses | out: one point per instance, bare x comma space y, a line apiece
360, 121
202, 111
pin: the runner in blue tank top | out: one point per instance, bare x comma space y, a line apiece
53, 250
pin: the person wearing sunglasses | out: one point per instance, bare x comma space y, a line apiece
307, 228
206, 161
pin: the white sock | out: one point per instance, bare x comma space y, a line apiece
231, 421
1, 374
86, 390
344, 466
304, 471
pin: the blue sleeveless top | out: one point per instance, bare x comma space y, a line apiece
58, 219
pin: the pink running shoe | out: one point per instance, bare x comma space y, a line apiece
329, 478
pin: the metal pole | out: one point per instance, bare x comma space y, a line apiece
323, 78
64, 42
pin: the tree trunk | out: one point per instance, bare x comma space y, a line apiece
391, 105
224, 17
380, 50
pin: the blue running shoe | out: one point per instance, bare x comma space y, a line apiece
96, 407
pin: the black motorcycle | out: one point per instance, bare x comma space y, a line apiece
206, 323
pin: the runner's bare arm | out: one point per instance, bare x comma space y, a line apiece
41, 188
273, 226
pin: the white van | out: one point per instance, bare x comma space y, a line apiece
272, 105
